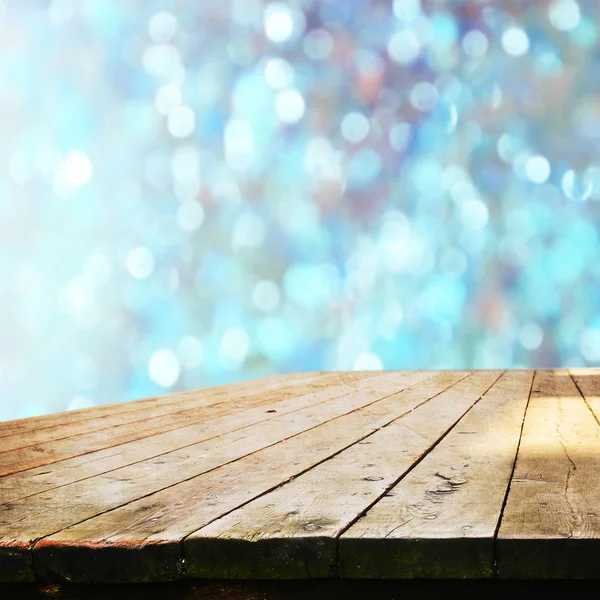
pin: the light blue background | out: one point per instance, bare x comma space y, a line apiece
197, 193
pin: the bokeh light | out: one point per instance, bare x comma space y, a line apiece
198, 193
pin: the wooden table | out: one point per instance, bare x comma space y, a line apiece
355, 475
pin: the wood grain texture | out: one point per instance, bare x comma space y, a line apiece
227, 390
19, 452
208, 422
85, 414
318, 476
550, 524
588, 384
292, 531
140, 414
164, 518
440, 520
40, 516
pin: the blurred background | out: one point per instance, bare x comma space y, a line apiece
195, 193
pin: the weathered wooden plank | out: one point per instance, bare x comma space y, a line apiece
167, 406
440, 520
229, 389
588, 383
29, 520
136, 425
164, 518
292, 531
30, 424
93, 412
549, 527
208, 423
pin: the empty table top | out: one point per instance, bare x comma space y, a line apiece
368, 474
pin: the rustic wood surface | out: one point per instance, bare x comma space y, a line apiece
550, 527
360, 475
440, 520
